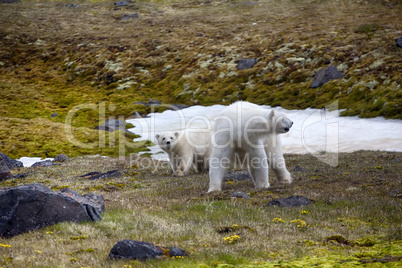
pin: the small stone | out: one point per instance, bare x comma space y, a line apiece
298, 169
240, 194
177, 252
399, 42
61, 158
122, 3
46, 163
129, 16
177, 106
244, 64
9, 1
99, 175
154, 102
137, 250
53, 115
324, 75
396, 193
293, 201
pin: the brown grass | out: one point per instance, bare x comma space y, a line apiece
352, 200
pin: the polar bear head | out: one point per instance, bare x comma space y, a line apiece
282, 123
167, 140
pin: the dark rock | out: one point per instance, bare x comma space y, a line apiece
73, 5
324, 75
293, 201
399, 42
20, 175
137, 250
46, 163
244, 64
153, 102
396, 193
298, 169
141, 103
30, 207
96, 199
177, 252
5, 173
176, 107
130, 16
237, 175
11, 163
99, 175
136, 114
240, 194
61, 158
53, 115
122, 3
112, 125
9, 1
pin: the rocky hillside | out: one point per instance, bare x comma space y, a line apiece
57, 55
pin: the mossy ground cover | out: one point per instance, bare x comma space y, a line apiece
55, 56
354, 221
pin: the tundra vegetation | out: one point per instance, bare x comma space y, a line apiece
355, 220
55, 56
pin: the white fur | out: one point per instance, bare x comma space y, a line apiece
186, 149
246, 135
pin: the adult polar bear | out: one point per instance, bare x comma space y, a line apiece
247, 134
186, 149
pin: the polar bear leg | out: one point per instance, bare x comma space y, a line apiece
218, 165
258, 168
185, 162
277, 161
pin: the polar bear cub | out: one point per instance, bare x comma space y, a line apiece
247, 135
186, 149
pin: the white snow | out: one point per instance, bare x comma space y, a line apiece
29, 161
314, 131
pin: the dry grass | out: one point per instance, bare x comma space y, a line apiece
351, 200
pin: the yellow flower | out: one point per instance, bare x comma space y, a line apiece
5, 246
277, 220
37, 251
231, 239
304, 212
299, 223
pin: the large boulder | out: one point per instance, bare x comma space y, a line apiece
30, 207
324, 75
11, 163
4, 170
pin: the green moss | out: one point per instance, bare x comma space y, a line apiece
50, 139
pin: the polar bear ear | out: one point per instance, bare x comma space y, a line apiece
157, 136
177, 134
271, 115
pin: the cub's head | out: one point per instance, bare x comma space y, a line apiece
167, 140
281, 122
